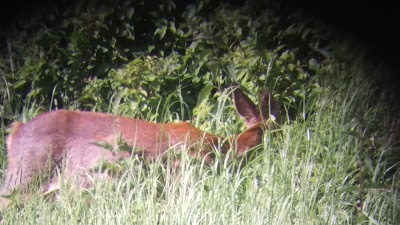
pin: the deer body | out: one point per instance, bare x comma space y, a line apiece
51, 139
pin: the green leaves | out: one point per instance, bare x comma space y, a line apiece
142, 51
204, 94
161, 31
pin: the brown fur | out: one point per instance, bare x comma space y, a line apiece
53, 138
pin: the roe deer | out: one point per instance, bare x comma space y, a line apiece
53, 138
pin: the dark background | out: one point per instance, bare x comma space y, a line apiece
374, 25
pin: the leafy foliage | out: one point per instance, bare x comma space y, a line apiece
138, 52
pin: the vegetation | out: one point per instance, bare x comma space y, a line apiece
333, 161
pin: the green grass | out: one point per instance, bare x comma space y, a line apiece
306, 172
336, 163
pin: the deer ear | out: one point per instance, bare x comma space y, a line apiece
269, 106
246, 108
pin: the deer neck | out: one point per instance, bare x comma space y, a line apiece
249, 138
242, 142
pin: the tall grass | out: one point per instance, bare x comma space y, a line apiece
326, 168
